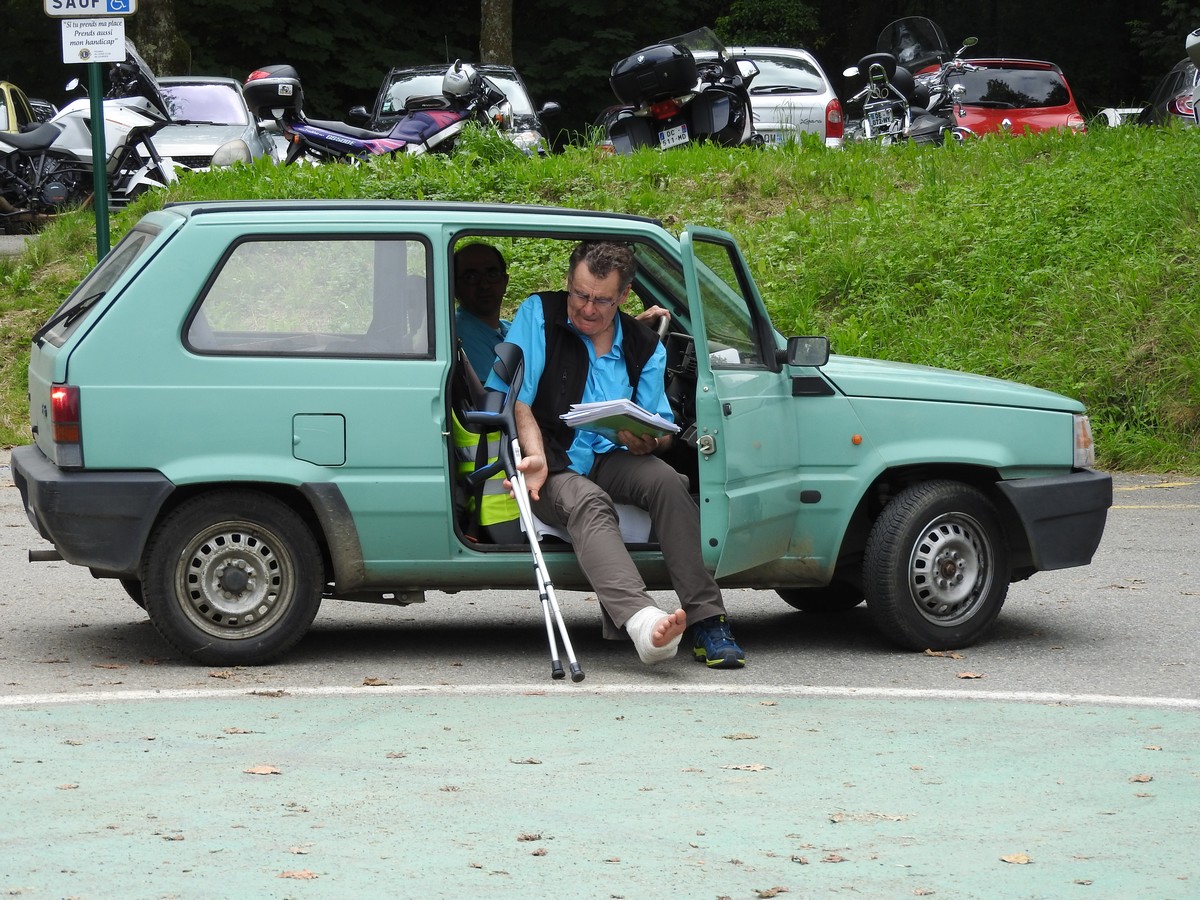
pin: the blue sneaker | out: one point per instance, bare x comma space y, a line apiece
713, 644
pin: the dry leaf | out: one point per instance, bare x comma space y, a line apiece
529, 761
1152, 747
397, 754
540, 851
1017, 859
923, 892
222, 673
109, 666
262, 770
374, 682
969, 675
68, 787
945, 654
300, 875
1141, 779
236, 731
768, 702
172, 837
748, 767
741, 736
832, 858
529, 836
269, 694
771, 892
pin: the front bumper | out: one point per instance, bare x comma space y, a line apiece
95, 519
1063, 515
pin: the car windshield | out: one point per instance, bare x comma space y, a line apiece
217, 103
785, 75
1013, 88
406, 85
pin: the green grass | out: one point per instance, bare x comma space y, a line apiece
1062, 261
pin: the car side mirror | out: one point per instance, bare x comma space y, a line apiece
358, 115
807, 351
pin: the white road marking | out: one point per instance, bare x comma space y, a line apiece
514, 690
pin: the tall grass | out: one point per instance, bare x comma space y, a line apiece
1063, 261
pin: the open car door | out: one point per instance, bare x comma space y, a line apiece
746, 418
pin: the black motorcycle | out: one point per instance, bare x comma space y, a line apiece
684, 89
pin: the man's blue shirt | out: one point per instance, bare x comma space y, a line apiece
479, 340
607, 378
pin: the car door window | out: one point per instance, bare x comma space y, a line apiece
730, 332
317, 297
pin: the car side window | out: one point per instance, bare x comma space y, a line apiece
310, 296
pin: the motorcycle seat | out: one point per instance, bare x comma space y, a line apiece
38, 139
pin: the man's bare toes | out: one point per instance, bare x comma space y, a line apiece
668, 628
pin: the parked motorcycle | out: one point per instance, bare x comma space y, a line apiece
49, 168
1192, 45
684, 89
895, 105
427, 124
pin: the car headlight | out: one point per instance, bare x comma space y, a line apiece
235, 151
529, 142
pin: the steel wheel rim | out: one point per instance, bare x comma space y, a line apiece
234, 580
950, 569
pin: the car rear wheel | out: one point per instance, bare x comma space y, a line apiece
936, 567
232, 578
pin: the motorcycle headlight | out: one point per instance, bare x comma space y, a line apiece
235, 151
528, 142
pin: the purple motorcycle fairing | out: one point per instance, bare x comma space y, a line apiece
416, 127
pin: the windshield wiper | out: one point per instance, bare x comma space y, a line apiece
195, 122
782, 89
67, 316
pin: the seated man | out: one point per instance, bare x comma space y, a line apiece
579, 347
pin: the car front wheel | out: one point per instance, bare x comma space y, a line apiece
232, 578
936, 567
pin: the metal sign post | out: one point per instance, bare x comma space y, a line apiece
93, 32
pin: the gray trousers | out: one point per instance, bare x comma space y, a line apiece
584, 506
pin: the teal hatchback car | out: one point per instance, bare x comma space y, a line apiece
248, 408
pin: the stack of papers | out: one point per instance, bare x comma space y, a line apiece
607, 417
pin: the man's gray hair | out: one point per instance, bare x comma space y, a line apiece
604, 257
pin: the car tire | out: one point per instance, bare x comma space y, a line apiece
835, 597
936, 567
232, 578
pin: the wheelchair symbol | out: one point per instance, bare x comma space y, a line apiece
118, 6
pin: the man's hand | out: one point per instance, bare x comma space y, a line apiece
535, 471
651, 314
639, 444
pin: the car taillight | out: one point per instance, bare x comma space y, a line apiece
1075, 123
1181, 105
64, 414
835, 127
664, 109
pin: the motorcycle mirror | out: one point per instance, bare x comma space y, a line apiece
550, 108
747, 68
72, 84
970, 42
850, 71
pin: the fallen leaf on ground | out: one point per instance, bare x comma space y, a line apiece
771, 892
300, 874
748, 767
945, 654
396, 754
741, 736
269, 694
221, 673
528, 761
236, 731
969, 675
540, 851
374, 682
109, 666
529, 836
68, 787
1017, 859
262, 770
832, 857
1141, 779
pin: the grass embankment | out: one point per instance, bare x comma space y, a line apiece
1064, 262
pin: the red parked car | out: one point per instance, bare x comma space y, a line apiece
1016, 95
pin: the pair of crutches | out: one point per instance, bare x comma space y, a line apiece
510, 367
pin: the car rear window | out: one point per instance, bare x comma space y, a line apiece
316, 296
1013, 88
782, 74
74, 310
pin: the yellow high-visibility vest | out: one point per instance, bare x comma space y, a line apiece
495, 504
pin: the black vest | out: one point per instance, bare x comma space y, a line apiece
565, 374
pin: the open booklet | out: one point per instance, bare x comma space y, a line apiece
607, 417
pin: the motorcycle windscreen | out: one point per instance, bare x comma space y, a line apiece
916, 42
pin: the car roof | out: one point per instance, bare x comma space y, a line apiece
197, 79
438, 69
1004, 62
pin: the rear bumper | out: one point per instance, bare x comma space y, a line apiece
1063, 515
95, 519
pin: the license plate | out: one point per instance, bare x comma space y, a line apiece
880, 118
673, 137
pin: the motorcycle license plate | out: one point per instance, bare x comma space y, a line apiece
880, 118
673, 137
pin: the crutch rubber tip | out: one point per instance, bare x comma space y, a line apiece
556, 670
576, 673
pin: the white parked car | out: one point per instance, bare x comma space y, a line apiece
212, 124
792, 94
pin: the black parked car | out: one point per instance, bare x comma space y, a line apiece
403, 83
1172, 98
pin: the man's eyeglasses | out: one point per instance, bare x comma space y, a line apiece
602, 303
474, 276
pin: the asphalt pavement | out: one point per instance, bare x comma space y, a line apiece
1060, 758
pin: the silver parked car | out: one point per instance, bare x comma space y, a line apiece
792, 94
212, 124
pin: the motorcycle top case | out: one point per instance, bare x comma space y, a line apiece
653, 73
273, 87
